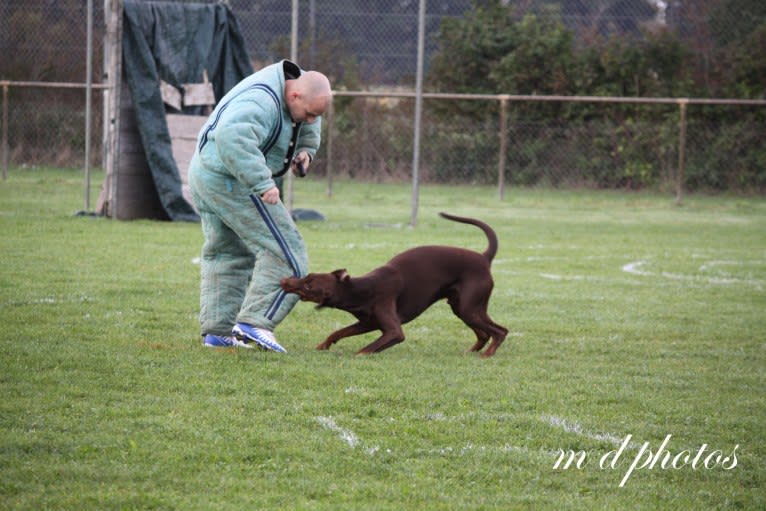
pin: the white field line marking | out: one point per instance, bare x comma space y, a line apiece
635, 268
51, 300
553, 276
472, 448
576, 428
46, 300
583, 278
714, 264
353, 441
346, 435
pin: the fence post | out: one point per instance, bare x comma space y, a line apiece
418, 113
503, 147
293, 57
681, 148
88, 101
5, 131
330, 112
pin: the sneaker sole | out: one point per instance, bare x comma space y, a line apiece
239, 344
261, 343
235, 344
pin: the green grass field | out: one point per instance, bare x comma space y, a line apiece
628, 316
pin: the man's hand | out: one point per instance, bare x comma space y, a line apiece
305, 160
271, 196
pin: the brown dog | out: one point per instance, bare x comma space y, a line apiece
403, 288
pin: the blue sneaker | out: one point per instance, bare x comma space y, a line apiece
264, 338
223, 341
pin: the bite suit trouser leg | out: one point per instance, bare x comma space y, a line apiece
249, 246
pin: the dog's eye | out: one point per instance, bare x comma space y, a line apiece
307, 287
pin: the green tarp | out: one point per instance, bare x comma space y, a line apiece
176, 42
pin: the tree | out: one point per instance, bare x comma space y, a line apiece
469, 48
541, 60
740, 37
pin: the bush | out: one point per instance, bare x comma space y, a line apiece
497, 49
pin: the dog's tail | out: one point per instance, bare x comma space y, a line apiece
491, 236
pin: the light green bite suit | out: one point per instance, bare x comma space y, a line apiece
249, 245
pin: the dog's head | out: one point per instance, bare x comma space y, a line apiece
320, 288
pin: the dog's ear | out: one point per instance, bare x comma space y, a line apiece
341, 275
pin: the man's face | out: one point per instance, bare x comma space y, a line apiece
304, 109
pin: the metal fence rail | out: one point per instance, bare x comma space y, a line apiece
378, 144
32, 101
364, 153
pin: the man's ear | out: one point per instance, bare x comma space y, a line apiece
341, 275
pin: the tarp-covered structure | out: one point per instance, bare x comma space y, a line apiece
178, 43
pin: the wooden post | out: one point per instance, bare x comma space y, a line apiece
681, 149
113, 79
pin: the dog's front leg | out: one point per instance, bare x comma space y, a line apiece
392, 333
383, 342
349, 331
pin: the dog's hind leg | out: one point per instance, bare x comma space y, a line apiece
482, 336
481, 339
498, 333
471, 307
480, 322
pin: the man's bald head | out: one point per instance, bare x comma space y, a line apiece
308, 96
316, 84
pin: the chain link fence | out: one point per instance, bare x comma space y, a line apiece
42, 75
371, 46
666, 144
